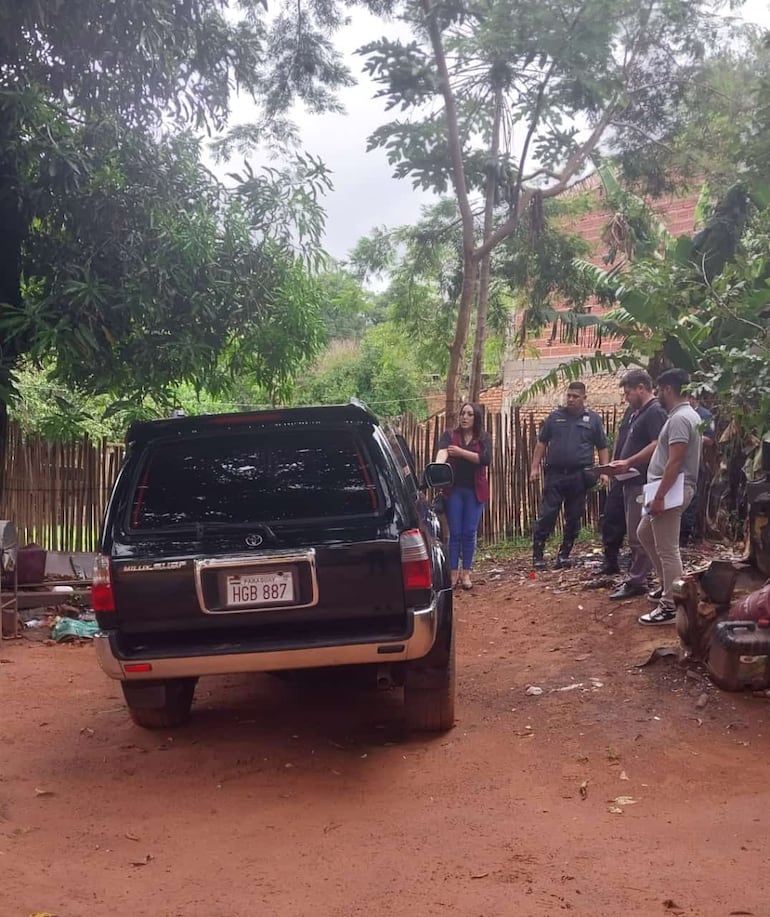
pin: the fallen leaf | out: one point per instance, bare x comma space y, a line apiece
41, 792
331, 827
670, 905
147, 859
131, 837
584, 790
479, 875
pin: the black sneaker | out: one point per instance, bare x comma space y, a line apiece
539, 563
662, 614
562, 563
609, 568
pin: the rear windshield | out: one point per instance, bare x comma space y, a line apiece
254, 477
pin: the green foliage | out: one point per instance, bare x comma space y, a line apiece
474, 77
124, 266
424, 266
152, 275
382, 370
347, 309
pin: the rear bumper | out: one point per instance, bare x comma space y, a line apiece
419, 643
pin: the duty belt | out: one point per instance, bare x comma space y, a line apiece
560, 469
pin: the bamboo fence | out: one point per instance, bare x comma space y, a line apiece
56, 493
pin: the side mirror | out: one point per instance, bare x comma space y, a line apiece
438, 474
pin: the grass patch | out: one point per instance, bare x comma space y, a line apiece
512, 548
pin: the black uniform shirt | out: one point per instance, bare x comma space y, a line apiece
572, 438
645, 427
621, 434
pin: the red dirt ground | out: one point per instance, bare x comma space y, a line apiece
294, 799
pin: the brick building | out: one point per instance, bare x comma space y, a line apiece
678, 213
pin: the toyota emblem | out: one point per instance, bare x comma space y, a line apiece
254, 541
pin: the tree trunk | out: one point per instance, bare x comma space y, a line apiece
477, 366
457, 350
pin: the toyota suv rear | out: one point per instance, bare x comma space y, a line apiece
269, 541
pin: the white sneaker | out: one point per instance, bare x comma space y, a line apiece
662, 614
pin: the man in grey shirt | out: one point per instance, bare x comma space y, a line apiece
677, 450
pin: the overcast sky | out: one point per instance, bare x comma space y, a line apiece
365, 193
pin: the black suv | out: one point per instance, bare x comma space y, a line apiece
260, 542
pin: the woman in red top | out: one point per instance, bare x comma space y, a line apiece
468, 449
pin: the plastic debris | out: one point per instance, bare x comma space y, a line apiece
64, 629
533, 691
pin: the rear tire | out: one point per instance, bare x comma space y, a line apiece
429, 695
160, 705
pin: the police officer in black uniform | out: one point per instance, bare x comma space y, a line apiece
567, 439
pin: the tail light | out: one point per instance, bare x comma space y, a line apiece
102, 598
415, 561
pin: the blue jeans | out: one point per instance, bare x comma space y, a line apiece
463, 512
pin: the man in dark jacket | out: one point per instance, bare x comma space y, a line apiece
645, 423
613, 524
567, 440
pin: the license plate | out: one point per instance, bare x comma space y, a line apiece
256, 589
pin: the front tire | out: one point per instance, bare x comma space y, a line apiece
429, 695
159, 705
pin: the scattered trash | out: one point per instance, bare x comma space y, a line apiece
615, 810
623, 801
595, 683
623, 775
584, 790
533, 691
660, 652
41, 792
65, 629
479, 875
147, 859
573, 687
